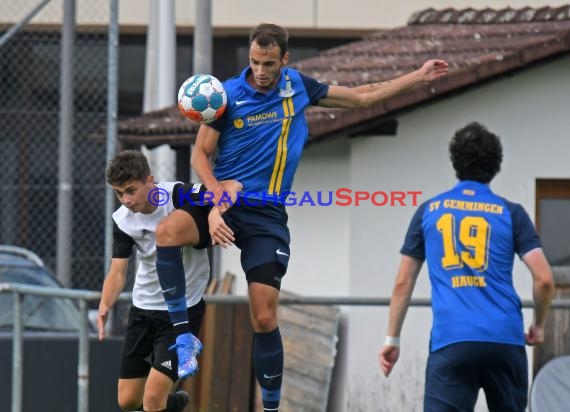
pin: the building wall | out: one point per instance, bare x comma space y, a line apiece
354, 251
313, 14
529, 111
314, 269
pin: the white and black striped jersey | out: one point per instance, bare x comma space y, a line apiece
138, 230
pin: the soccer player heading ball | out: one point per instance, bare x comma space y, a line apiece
259, 140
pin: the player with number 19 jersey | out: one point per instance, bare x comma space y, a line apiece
466, 235
265, 161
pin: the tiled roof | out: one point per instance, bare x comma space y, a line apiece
477, 44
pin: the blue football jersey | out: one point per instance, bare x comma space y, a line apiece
469, 237
262, 135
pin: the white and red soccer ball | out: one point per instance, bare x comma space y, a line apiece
202, 98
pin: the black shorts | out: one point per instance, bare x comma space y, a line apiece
190, 198
200, 216
261, 233
148, 338
455, 373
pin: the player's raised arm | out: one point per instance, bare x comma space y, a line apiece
399, 304
542, 293
206, 144
374, 93
112, 288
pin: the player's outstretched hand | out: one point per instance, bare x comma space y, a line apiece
102, 316
230, 194
221, 197
434, 69
535, 335
387, 358
220, 233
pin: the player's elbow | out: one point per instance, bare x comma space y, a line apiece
201, 153
354, 100
363, 101
543, 281
195, 159
403, 286
543, 284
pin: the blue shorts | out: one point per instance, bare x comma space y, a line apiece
261, 233
455, 373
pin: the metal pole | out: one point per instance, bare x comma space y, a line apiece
83, 360
90, 295
160, 78
112, 82
17, 355
166, 74
15, 28
65, 172
202, 63
203, 37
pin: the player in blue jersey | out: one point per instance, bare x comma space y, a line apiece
259, 140
469, 237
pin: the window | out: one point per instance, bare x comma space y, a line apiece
553, 219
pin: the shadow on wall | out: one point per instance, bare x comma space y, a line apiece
403, 391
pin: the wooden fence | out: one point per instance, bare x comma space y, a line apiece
226, 381
557, 329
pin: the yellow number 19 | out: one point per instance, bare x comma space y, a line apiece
474, 233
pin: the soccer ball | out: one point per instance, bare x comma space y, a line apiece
202, 98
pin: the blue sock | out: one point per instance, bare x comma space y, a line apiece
268, 365
172, 280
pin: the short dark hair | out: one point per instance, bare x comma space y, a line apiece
126, 166
267, 35
476, 153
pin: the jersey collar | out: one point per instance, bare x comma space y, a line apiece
472, 184
281, 84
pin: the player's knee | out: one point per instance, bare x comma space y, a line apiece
154, 400
128, 403
264, 322
176, 231
166, 233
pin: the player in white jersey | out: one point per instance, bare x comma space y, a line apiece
148, 366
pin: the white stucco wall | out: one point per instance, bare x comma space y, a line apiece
529, 111
320, 241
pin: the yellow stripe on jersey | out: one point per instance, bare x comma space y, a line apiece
290, 106
281, 155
